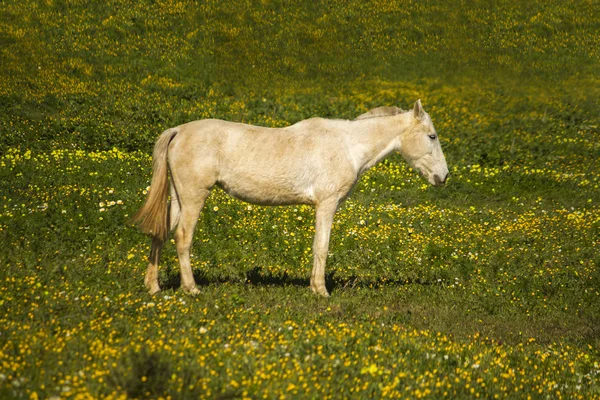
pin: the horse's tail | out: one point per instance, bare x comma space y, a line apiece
152, 217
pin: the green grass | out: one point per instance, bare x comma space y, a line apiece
488, 287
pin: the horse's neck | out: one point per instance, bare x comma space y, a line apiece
373, 140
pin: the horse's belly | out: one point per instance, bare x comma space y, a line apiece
267, 190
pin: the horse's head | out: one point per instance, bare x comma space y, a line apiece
421, 147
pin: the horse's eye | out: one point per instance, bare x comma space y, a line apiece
432, 137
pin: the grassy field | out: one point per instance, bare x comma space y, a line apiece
486, 288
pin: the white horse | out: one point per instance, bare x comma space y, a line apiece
316, 161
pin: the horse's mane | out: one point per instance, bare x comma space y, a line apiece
380, 112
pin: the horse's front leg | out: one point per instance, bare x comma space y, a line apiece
324, 213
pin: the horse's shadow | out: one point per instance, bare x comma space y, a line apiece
253, 277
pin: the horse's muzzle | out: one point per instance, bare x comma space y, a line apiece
439, 181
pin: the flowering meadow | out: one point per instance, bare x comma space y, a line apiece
488, 287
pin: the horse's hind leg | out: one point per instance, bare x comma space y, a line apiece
191, 206
151, 279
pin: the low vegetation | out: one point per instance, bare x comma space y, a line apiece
488, 287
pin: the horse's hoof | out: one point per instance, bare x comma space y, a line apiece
153, 288
320, 291
193, 291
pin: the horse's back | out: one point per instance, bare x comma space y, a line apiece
257, 144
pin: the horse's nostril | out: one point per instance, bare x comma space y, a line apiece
445, 178
439, 181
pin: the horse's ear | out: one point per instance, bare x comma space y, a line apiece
418, 110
